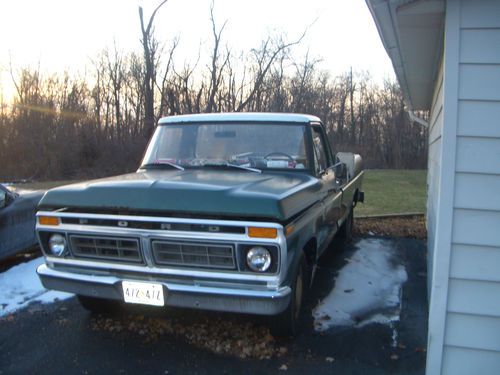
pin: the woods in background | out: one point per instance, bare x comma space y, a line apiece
61, 127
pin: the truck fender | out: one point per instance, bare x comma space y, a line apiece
310, 251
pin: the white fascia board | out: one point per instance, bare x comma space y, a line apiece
383, 13
387, 16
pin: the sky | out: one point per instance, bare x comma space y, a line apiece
63, 35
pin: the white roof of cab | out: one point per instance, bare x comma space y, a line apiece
240, 117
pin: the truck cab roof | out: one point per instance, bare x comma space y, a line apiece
241, 117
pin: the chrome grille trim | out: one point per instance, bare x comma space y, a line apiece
119, 249
193, 254
272, 281
157, 225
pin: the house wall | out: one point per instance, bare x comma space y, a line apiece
433, 172
471, 336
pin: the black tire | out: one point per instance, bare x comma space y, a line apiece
347, 227
98, 305
287, 323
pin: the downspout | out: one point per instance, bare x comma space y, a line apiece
419, 120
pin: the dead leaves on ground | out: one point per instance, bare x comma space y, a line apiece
243, 340
403, 226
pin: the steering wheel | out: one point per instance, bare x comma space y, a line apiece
279, 154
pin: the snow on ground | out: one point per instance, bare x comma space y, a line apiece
367, 289
21, 286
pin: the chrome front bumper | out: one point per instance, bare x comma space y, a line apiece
261, 302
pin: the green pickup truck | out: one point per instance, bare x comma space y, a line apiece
227, 212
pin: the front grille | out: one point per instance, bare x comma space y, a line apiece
110, 248
168, 253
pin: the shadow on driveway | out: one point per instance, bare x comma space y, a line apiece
64, 338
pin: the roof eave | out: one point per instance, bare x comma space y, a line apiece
412, 34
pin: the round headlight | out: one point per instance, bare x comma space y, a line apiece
57, 244
259, 259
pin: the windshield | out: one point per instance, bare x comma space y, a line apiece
261, 146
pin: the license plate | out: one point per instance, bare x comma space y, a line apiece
143, 293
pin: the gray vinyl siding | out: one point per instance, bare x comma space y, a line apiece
482, 298
477, 191
472, 330
475, 262
468, 124
470, 358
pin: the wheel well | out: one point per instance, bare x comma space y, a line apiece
310, 250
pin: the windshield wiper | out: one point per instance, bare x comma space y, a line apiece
228, 165
161, 164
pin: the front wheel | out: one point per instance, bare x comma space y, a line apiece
288, 322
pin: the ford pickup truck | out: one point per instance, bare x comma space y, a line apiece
227, 212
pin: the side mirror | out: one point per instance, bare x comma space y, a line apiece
341, 170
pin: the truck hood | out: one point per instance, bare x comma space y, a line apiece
273, 195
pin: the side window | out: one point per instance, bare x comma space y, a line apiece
320, 156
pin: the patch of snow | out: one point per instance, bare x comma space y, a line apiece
367, 289
394, 336
387, 318
21, 286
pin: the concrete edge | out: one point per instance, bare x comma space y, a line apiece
386, 216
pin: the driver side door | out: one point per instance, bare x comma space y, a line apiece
332, 200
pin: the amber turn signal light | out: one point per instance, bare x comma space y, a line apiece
257, 232
48, 220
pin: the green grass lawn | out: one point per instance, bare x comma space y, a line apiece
393, 192
386, 191
45, 185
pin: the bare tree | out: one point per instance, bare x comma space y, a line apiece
150, 47
82, 125
264, 58
352, 88
116, 78
164, 82
216, 69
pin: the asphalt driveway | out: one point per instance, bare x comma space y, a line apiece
63, 338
